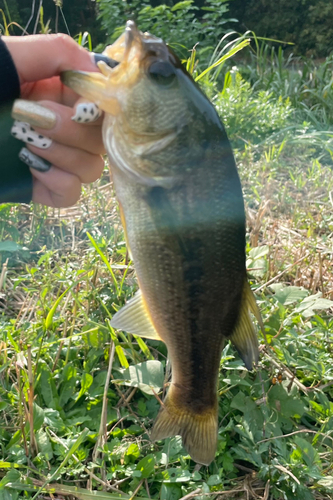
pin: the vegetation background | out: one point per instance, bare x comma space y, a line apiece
308, 24
77, 399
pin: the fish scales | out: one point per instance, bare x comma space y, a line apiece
182, 209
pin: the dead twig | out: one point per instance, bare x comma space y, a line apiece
281, 273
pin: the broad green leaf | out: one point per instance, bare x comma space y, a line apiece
53, 419
174, 475
68, 387
132, 453
214, 480
286, 404
173, 446
309, 454
44, 444
12, 475
314, 302
258, 252
171, 492
47, 386
289, 295
147, 376
86, 382
146, 466
239, 401
9, 246
39, 416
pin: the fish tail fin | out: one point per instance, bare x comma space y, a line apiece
244, 336
198, 430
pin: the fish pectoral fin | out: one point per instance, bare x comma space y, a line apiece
244, 336
198, 431
134, 318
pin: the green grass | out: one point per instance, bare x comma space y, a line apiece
72, 413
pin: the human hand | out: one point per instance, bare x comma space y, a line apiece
62, 153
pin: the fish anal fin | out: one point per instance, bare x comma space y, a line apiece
198, 430
134, 318
244, 336
251, 300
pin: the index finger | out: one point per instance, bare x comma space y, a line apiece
38, 57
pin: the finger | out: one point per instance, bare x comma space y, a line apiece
50, 89
37, 57
55, 188
87, 113
70, 133
86, 166
51, 121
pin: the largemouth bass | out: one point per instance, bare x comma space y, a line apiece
182, 210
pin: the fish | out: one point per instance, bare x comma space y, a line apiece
182, 210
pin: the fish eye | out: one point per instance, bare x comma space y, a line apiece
162, 73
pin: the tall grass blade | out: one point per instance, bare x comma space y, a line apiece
105, 260
224, 58
79, 493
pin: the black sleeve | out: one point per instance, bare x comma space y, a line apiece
15, 177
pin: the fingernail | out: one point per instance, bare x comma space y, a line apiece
24, 132
33, 113
102, 57
34, 161
86, 112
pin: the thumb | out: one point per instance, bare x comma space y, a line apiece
37, 57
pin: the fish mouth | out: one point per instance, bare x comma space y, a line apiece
121, 65
133, 47
120, 51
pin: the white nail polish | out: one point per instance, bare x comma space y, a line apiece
86, 112
24, 132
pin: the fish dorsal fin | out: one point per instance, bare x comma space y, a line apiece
134, 318
244, 336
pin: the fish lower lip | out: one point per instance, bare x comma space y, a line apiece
102, 57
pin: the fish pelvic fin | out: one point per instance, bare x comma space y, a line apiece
134, 318
198, 430
244, 336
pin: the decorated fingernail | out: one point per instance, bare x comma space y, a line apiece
102, 57
24, 132
33, 113
86, 112
34, 161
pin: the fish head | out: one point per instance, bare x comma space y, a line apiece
143, 85
151, 98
